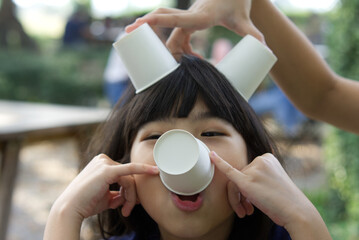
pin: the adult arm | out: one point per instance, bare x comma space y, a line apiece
303, 75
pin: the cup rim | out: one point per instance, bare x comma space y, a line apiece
131, 34
195, 192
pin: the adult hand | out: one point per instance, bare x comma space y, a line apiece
266, 185
89, 194
232, 14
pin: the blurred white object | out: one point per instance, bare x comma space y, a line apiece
115, 71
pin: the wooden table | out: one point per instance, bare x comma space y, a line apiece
21, 121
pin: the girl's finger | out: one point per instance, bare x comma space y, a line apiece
117, 200
249, 209
135, 168
104, 158
234, 198
128, 192
114, 173
232, 173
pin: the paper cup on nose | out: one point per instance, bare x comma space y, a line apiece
145, 57
247, 64
183, 161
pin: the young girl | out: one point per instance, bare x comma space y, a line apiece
250, 196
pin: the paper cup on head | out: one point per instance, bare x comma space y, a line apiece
247, 64
183, 161
145, 57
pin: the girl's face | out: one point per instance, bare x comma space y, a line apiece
207, 214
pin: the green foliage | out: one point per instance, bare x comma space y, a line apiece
343, 39
222, 32
64, 77
342, 148
342, 156
332, 209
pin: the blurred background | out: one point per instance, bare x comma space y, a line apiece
59, 52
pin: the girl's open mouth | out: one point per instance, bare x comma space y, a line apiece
187, 203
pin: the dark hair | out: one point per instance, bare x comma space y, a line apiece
175, 96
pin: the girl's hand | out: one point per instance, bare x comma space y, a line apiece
232, 14
266, 185
89, 194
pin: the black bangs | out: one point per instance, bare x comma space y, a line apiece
176, 94
173, 96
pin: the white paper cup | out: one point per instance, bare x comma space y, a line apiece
247, 64
183, 161
145, 57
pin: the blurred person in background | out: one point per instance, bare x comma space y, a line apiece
115, 76
272, 101
220, 48
77, 29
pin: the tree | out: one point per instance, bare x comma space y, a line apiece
12, 33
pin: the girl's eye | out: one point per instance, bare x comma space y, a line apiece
153, 137
212, 134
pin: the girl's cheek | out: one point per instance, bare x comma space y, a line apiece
236, 158
219, 180
141, 153
218, 191
148, 186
